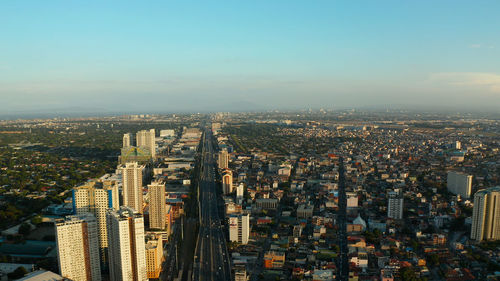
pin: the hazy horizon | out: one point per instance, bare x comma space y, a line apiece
127, 56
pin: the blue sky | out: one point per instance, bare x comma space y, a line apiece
239, 55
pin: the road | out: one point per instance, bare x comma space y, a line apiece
211, 260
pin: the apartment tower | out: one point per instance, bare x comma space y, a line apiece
132, 185
95, 197
127, 258
486, 215
157, 205
78, 248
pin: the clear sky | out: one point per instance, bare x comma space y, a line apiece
241, 55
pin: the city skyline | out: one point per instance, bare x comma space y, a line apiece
124, 56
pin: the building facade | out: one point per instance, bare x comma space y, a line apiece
95, 197
395, 205
146, 138
486, 215
127, 257
157, 205
154, 256
459, 184
239, 228
223, 159
227, 181
78, 248
132, 185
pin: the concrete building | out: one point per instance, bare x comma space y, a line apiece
154, 256
486, 215
395, 204
132, 185
157, 205
223, 159
127, 140
78, 248
239, 228
227, 181
127, 257
146, 138
95, 197
459, 184
240, 189
240, 273
305, 211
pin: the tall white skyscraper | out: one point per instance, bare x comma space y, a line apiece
223, 159
459, 184
132, 185
127, 140
486, 215
239, 228
95, 197
395, 205
157, 205
127, 258
145, 138
78, 248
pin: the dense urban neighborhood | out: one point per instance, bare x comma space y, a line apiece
304, 195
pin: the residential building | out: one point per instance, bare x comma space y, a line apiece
395, 205
132, 185
459, 184
486, 215
127, 257
227, 181
146, 138
157, 205
223, 159
239, 228
78, 248
95, 197
154, 256
127, 140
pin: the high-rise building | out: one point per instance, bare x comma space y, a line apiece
157, 205
127, 140
132, 185
223, 159
127, 257
240, 189
486, 215
395, 204
78, 248
145, 138
154, 255
95, 197
459, 183
227, 181
239, 228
